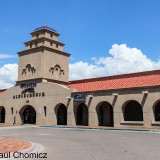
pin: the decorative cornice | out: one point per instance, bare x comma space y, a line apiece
44, 38
42, 48
40, 80
55, 33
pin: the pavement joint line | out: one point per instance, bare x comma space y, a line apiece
97, 129
83, 128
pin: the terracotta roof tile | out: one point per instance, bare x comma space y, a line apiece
1, 91
139, 79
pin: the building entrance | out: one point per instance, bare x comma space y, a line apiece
82, 115
62, 115
28, 115
105, 114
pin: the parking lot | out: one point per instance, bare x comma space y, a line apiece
88, 144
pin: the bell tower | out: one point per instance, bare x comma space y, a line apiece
43, 59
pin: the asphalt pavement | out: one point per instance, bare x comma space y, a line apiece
87, 144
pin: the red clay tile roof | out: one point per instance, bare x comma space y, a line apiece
1, 91
139, 79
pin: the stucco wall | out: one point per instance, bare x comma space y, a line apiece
57, 94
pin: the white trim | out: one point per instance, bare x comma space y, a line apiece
68, 97
114, 94
90, 96
145, 92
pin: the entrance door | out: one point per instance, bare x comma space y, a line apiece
82, 115
105, 114
29, 115
101, 116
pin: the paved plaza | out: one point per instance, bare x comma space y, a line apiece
87, 144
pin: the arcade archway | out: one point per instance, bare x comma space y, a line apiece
61, 115
82, 114
132, 111
28, 115
157, 111
105, 114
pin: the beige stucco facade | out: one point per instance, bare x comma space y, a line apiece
42, 85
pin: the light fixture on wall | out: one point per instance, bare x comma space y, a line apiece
145, 92
68, 97
114, 94
90, 96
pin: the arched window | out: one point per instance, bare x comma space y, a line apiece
12, 110
45, 111
132, 111
30, 45
36, 44
157, 112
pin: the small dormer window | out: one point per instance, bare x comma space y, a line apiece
56, 45
51, 43
35, 44
30, 45
51, 35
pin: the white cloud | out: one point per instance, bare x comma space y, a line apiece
4, 56
8, 75
122, 59
81, 70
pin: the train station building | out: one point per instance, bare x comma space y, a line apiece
43, 95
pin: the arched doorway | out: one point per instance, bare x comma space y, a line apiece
28, 115
2, 114
132, 111
62, 115
157, 112
105, 114
82, 115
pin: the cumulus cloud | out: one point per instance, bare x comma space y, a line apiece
122, 59
8, 75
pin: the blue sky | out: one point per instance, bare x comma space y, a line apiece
89, 28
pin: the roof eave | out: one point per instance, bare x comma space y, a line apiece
45, 30
102, 90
